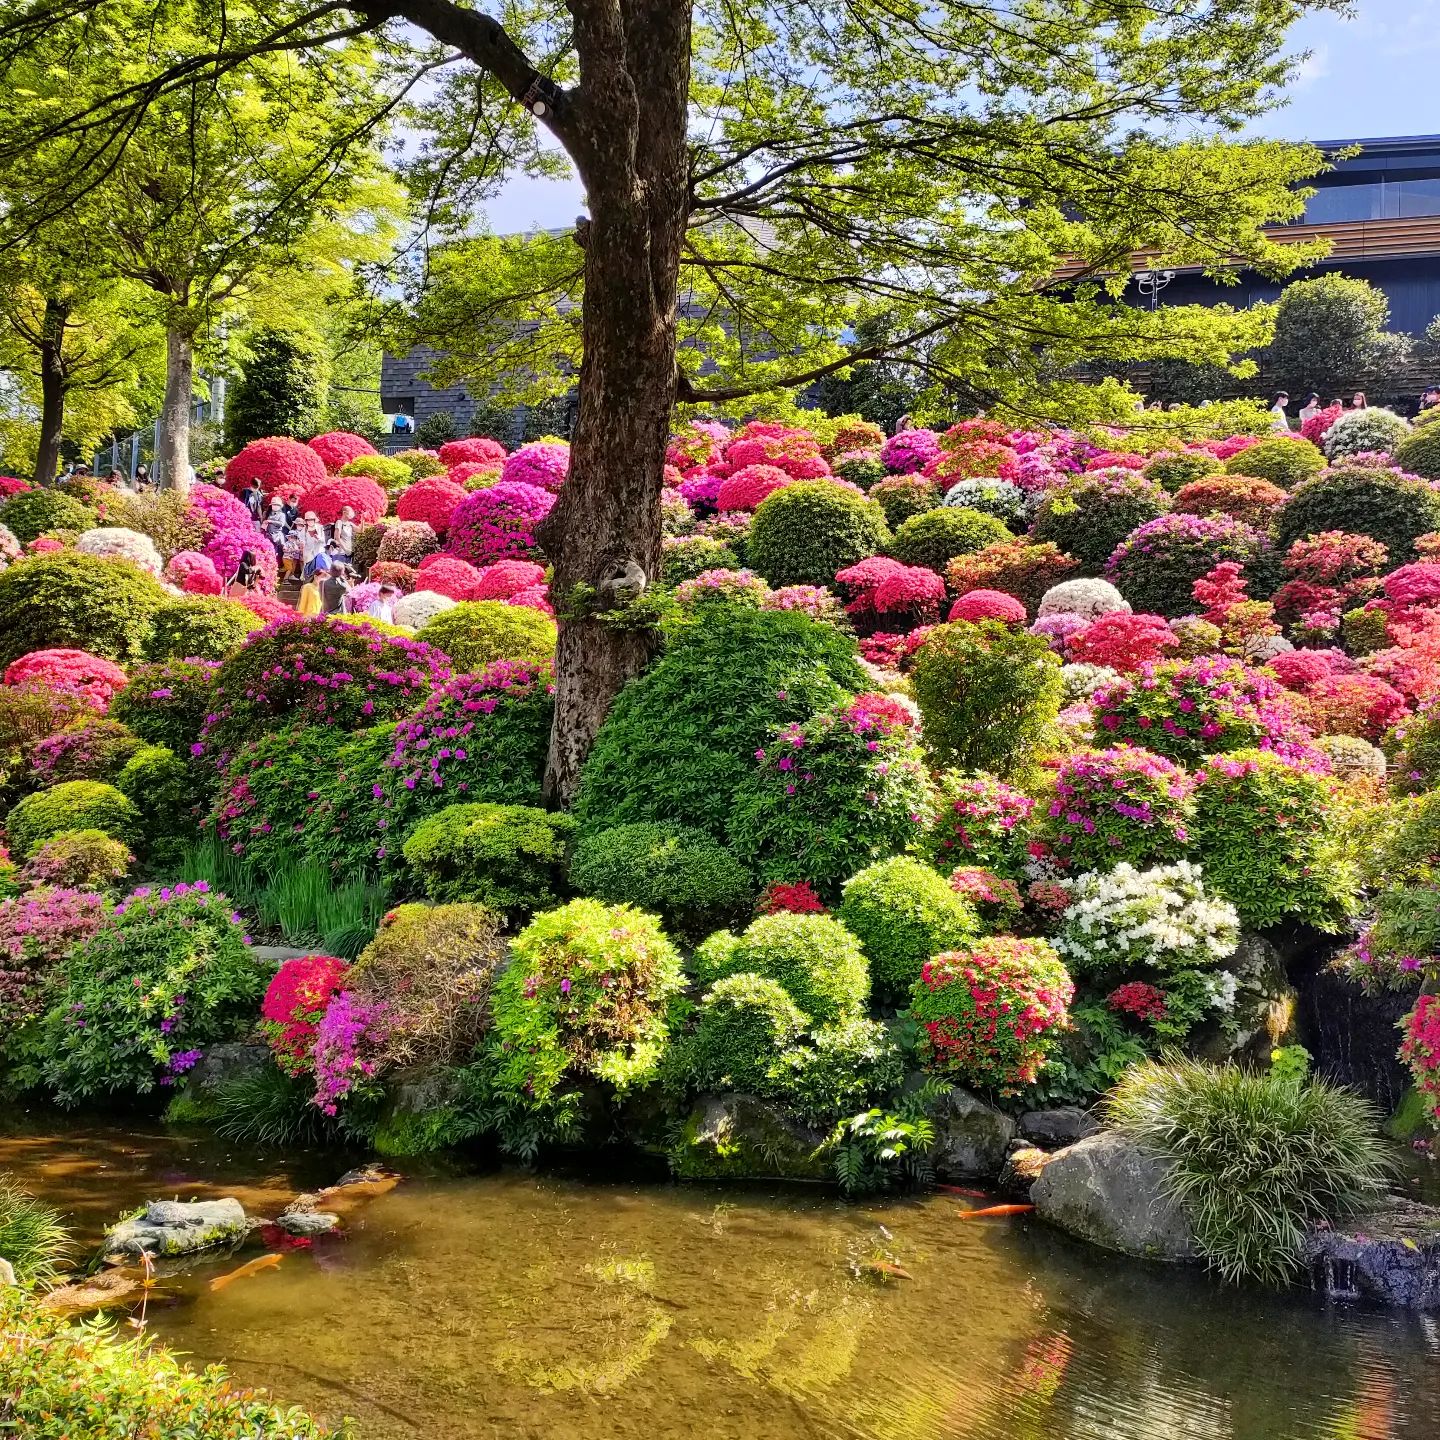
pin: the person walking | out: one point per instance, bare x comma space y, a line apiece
335, 588
312, 543
246, 576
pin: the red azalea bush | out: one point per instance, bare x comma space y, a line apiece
477, 449
1300, 670
9, 486
194, 573
1329, 573
294, 1004
1420, 1049
1123, 641
1242, 497
1015, 567
445, 575
880, 586
329, 496
988, 605
73, 673
406, 542
393, 572
1138, 1001
748, 486
432, 500
696, 446
507, 578
797, 898
1360, 705
279, 465
498, 522
970, 459
990, 1015
1317, 427
339, 447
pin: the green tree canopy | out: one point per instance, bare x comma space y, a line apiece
1330, 337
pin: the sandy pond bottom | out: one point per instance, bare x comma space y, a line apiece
512, 1305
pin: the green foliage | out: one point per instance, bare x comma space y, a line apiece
79, 860
742, 1023
880, 1150
1419, 454
199, 627
805, 533
1172, 471
434, 430
507, 857
1087, 516
162, 788
680, 740
270, 1108
73, 805
62, 1379
1359, 431
1389, 508
674, 871
166, 703
1330, 336
988, 694
32, 1237
32, 513
78, 602
1267, 837
837, 1068
390, 474
935, 538
476, 632
1282, 462
691, 555
817, 961
903, 912
1255, 1159
280, 390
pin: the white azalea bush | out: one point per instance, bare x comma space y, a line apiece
421, 607
115, 542
1089, 599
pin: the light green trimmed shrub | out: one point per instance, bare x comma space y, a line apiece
1280, 461
1358, 431
31, 513
804, 533
73, 805
935, 538
1173, 472
1419, 453
163, 789
477, 632
199, 627
742, 1023
77, 602
166, 704
389, 472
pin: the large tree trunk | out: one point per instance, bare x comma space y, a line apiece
172, 450
630, 145
52, 391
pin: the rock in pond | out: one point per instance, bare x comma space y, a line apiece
1022, 1169
1106, 1190
301, 1217
176, 1227
1053, 1129
7, 1274
971, 1137
95, 1292
744, 1137
1390, 1254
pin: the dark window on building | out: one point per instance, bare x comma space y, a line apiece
398, 405
1374, 200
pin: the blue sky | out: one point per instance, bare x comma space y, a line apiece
1370, 75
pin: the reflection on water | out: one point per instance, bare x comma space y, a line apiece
509, 1305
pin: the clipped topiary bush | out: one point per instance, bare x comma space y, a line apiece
903, 912
1393, 509
987, 693
1358, 431
1174, 471
78, 860
33, 512
1156, 566
507, 857
742, 1023
934, 539
166, 703
476, 633
78, 602
804, 533
674, 871
1088, 515
161, 786
199, 628
1419, 454
1282, 462
73, 805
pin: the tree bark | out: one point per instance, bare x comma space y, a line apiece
628, 134
172, 451
52, 391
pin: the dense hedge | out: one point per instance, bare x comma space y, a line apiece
934, 539
806, 532
199, 628
33, 512
72, 805
1282, 462
475, 633
1390, 508
79, 602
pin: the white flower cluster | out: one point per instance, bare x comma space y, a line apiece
1082, 681
1374, 428
992, 497
1089, 599
421, 608
1162, 918
115, 542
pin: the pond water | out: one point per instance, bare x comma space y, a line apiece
514, 1305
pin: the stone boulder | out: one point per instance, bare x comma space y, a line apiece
176, 1227
1022, 1169
1390, 1254
737, 1136
1266, 1011
301, 1217
1106, 1190
971, 1137
1056, 1128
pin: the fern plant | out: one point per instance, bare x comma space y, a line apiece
880, 1150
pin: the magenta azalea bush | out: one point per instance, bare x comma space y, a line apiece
543, 464
498, 522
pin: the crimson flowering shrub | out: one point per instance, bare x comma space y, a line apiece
1138, 1000
474, 449
748, 486
10, 485
506, 579
782, 897
1242, 497
328, 497
1122, 641
1109, 806
988, 605
990, 1014
543, 463
843, 788
1014, 567
979, 820
498, 522
1088, 515
880, 586
294, 1005
280, 466
1360, 705
1188, 709
1156, 566
406, 542
338, 448
432, 500
445, 575
194, 573
909, 451
1317, 427
1420, 1049
74, 673
471, 475
793, 451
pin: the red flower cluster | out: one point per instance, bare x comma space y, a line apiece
797, 899
748, 486
1138, 1000
279, 465
1122, 641
478, 449
432, 500
446, 575
881, 586
333, 493
75, 673
294, 1004
506, 579
977, 605
339, 447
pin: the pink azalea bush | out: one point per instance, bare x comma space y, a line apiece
432, 500
194, 573
477, 449
498, 522
74, 673
543, 463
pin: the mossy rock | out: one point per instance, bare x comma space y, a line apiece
741, 1137
424, 1113
1411, 1119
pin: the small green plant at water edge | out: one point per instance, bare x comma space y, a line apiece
1255, 1159
887, 1149
32, 1238
268, 1107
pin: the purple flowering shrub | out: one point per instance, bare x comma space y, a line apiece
166, 974
351, 1033
1158, 563
833, 793
166, 703
499, 522
909, 451
1108, 806
978, 820
93, 747
321, 672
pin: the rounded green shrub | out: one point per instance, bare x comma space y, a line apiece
1088, 515
1280, 461
200, 627
1393, 509
680, 740
166, 703
672, 870
31, 513
901, 497
77, 602
1173, 472
1419, 453
987, 693
477, 632
507, 857
742, 1023
387, 471
162, 788
687, 556
803, 533
838, 1070
934, 539
817, 961
74, 805
903, 912
79, 860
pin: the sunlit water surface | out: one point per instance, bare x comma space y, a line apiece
513, 1305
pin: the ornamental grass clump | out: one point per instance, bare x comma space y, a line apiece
903, 912
32, 1238
847, 786
804, 533
1255, 1159
991, 1012
988, 695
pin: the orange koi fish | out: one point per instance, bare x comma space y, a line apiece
250, 1267
996, 1210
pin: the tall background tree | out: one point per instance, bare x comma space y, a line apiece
1330, 337
789, 172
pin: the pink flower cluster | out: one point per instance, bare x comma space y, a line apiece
476, 450
446, 575
498, 522
544, 464
280, 466
337, 448
881, 586
75, 673
432, 500
194, 573
748, 486
347, 1038
910, 451
976, 605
